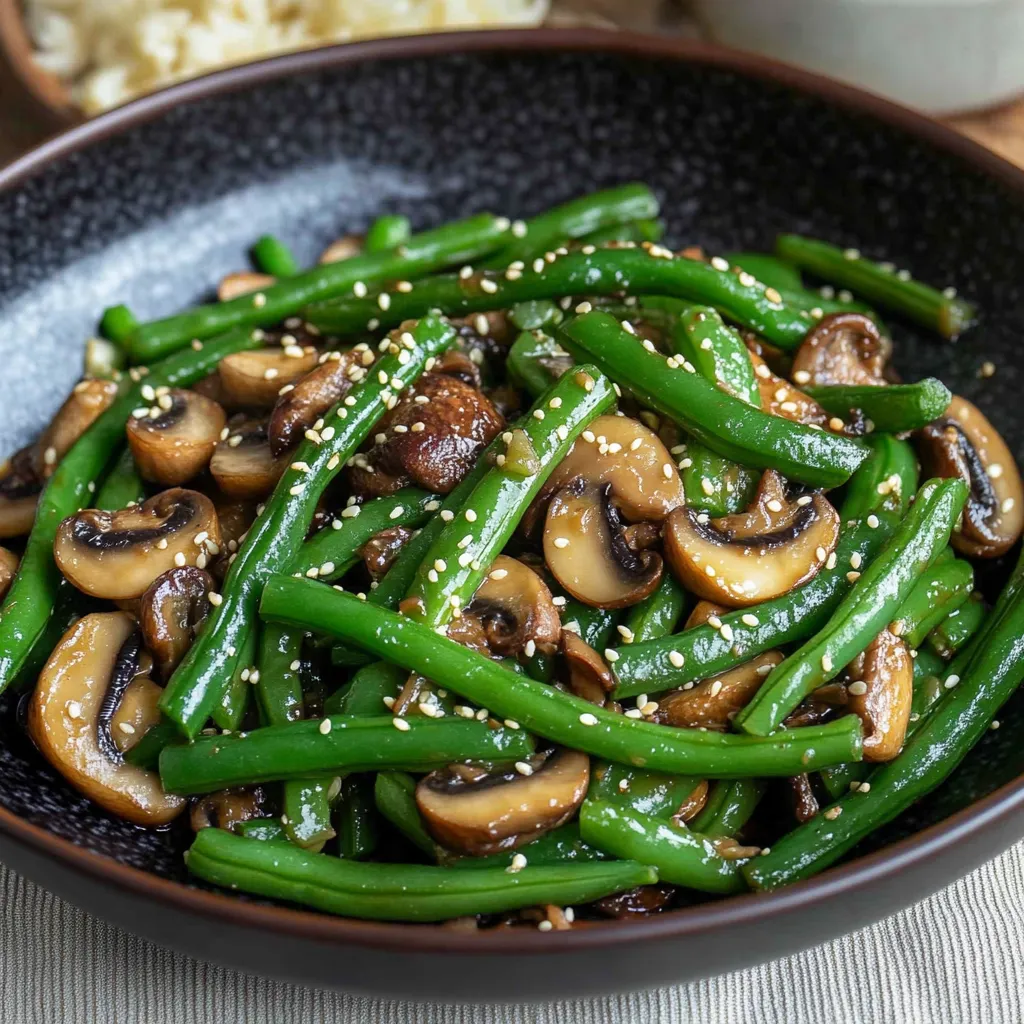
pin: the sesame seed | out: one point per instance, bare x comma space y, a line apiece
488, 286
561, 542
762, 370
676, 659
852, 576
447, 515
588, 719
626, 633
611, 654
215, 599
858, 688
667, 470
633, 713
325, 727
820, 553
710, 570
951, 681
726, 632
802, 377
855, 560
872, 522
987, 369
73, 709
648, 708
530, 648
719, 264
826, 663
772, 295
259, 300
788, 407
836, 423
833, 812
400, 724
179, 559
830, 562
1007, 505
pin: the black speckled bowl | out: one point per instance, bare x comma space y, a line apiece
154, 202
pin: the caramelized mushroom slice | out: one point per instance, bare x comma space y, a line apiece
515, 607
881, 691
172, 610
587, 552
254, 379
175, 439
243, 464
623, 453
301, 404
964, 444
86, 402
342, 249
69, 705
227, 808
381, 550
780, 398
117, 555
639, 902
589, 675
712, 703
756, 555
504, 810
19, 493
805, 803
243, 283
9, 562
843, 348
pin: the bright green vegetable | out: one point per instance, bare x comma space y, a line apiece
652, 793
529, 362
768, 269
886, 480
942, 589
279, 686
273, 257
895, 408
880, 283
29, 603
399, 892
307, 813
729, 806
266, 830
421, 254
658, 615
954, 631
118, 323
356, 818
274, 540
715, 484
387, 232
123, 486
717, 352
724, 423
545, 710
637, 231
365, 695
595, 625
679, 855
395, 796
230, 708
869, 606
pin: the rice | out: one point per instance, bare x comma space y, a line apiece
109, 51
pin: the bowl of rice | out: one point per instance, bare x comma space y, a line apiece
76, 58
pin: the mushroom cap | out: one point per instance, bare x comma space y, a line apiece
782, 398
244, 282
244, 465
254, 379
9, 563
752, 556
117, 555
176, 440
171, 611
20, 485
887, 670
504, 810
63, 717
87, 401
589, 674
963, 443
843, 348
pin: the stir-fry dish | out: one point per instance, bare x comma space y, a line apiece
514, 573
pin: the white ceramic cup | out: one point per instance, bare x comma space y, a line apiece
939, 55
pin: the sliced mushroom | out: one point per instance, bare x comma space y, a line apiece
756, 555
381, 550
843, 348
86, 402
174, 441
342, 249
639, 902
19, 493
300, 405
504, 810
589, 675
254, 379
243, 283
9, 562
173, 608
781, 398
712, 703
516, 607
117, 555
431, 439
881, 691
694, 803
136, 713
623, 453
702, 611
586, 549
962, 443
805, 803
227, 808
67, 708
243, 464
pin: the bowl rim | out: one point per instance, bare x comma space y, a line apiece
399, 937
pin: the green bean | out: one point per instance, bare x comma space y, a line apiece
652, 793
704, 651
545, 710
895, 408
838, 779
329, 554
273, 257
768, 269
146, 753
387, 232
715, 484
535, 316
679, 855
266, 830
370, 685
422, 254
399, 892
717, 352
864, 611
307, 813
229, 710
885, 481
525, 363
559, 846
277, 535
395, 796
880, 283
123, 485
927, 663
658, 615
458, 560
551, 229
30, 601
954, 631
942, 589
637, 231
117, 324
729, 806
279, 686
595, 625
300, 749
609, 271
724, 423
955, 724
356, 817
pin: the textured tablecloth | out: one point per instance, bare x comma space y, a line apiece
954, 958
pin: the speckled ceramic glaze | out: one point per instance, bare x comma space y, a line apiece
315, 146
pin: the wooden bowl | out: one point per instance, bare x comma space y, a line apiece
41, 92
